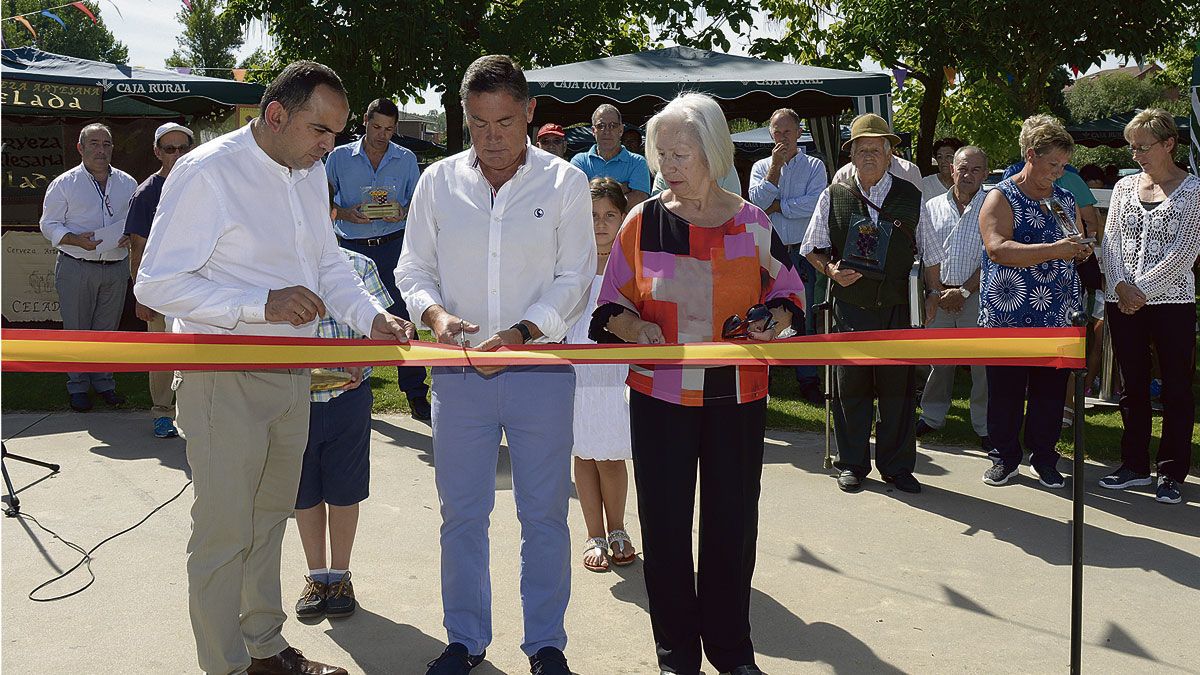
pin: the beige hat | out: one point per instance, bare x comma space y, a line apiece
870, 125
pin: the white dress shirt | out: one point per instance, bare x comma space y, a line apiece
959, 234
524, 252
931, 186
232, 225
899, 167
817, 236
801, 181
75, 204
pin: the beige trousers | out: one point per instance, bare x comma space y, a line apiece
246, 433
161, 394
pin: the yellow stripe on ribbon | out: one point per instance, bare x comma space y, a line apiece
89, 351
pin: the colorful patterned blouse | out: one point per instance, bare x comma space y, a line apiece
1038, 296
688, 280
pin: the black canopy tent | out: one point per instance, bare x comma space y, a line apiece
1110, 131
168, 89
750, 88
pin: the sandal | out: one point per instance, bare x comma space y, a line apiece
620, 538
596, 544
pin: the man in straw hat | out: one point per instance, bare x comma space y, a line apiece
866, 232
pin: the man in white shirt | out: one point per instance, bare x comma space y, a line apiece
83, 216
242, 244
500, 244
787, 185
954, 217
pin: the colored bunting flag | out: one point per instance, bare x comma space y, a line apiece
53, 17
183, 70
28, 26
901, 74
83, 8
950, 74
239, 74
188, 4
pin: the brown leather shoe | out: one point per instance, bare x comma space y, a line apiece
291, 662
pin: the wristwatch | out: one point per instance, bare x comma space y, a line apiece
963, 292
521, 328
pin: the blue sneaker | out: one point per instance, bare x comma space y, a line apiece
165, 428
1048, 475
1168, 491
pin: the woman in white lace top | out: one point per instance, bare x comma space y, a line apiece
1150, 246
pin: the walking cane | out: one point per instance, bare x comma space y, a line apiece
825, 309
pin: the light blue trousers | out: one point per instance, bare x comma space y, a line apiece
533, 408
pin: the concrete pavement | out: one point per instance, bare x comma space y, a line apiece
961, 578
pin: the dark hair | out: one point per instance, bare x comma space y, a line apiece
495, 72
607, 188
295, 85
383, 106
947, 142
1091, 172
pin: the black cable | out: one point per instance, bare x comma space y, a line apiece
87, 555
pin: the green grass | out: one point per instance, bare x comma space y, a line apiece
786, 411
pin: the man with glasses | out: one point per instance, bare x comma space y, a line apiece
552, 139
171, 141
608, 158
83, 216
375, 168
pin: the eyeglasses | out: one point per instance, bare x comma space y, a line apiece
553, 140
735, 328
173, 149
611, 126
1142, 149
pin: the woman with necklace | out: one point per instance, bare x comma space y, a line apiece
1028, 280
1153, 239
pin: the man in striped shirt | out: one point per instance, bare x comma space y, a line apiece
955, 219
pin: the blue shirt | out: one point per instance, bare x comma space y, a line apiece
143, 205
350, 173
625, 167
801, 182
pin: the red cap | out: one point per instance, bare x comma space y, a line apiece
551, 130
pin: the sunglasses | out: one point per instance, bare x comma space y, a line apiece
173, 149
735, 328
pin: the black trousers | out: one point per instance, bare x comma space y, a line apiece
856, 390
709, 605
1171, 328
1009, 390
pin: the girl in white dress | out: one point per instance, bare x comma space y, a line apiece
601, 423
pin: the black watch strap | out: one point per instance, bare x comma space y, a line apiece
521, 328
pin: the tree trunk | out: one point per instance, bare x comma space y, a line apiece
454, 120
931, 106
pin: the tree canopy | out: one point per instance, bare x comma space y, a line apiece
208, 40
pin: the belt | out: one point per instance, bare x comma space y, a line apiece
373, 241
94, 262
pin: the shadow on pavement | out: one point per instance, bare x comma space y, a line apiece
379, 645
779, 633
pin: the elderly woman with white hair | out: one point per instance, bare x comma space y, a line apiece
1151, 242
684, 263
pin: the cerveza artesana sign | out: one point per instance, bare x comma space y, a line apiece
36, 95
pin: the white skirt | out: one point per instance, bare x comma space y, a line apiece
601, 423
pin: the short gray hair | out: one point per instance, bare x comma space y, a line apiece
970, 149
701, 115
1159, 122
1043, 133
604, 108
785, 112
93, 128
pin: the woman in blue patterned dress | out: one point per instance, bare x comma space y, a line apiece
1028, 280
